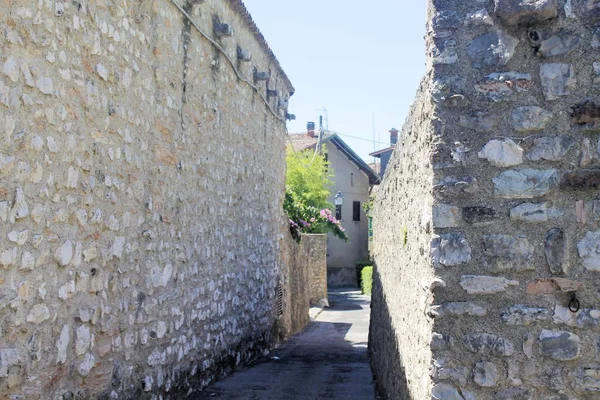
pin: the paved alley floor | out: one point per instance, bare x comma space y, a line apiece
326, 361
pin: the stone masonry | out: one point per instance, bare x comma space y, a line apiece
141, 190
487, 220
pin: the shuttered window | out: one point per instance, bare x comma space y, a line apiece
356, 211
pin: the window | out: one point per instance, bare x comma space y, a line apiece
356, 211
352, 179
338, 212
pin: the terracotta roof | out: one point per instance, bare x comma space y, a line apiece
239, 7
301, 141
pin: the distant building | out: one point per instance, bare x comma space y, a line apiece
385, 154
353, 178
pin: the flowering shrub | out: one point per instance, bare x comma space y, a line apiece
308, 219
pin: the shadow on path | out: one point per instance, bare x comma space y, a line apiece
327, 360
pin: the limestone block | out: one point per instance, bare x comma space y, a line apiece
524, 315
556, 251
530, 212
561, 43
513, 12
525, 183
476, 284
493, 49
502, 153
558, 80
589, 250
479, 121
550, 148
488, 345
506, 252
530, 118
485, 374
559, 345
450, 249
445, 216
458, 308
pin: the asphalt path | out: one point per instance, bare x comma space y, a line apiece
326, 361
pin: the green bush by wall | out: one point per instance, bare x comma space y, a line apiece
366, 281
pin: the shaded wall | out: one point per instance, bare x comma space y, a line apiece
141, 209
510, 210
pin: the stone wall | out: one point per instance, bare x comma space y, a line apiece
509, 116
140, 197
316, 263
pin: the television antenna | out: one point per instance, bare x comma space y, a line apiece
324, 110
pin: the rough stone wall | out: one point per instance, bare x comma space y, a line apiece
514, 159
316, 263
399, 332
140, 197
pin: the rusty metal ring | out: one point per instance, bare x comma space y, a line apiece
574, 305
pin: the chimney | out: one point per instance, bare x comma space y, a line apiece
310, 129
393, 136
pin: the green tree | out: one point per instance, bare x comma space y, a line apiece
309, 178
307, 188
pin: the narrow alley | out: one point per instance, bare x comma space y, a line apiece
327, 360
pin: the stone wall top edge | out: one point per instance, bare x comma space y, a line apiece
240, 8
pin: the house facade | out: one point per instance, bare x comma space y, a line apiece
353, 179
384, 155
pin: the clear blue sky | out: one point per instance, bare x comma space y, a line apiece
353, 58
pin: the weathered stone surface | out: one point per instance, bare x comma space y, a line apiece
557, 80
581, 180
451, 249
513, 394
64, 254
452, 186
541, 375
458, 308
446, 19
505, 252
553, 286
479, 122
589, 250
586, 115
530, 118
38, 314
559, 345
478, 215
448, 369
556, 251
513, 12
500, 86
502, 153
528, 341
444, 51
493, 49
478, 284
488, 345
479, 18
583, 319
9, 357
529, 212
550, 148
524, 315
443, 391
525, 183
485, 374
586, 380
561, 43
83, 340
441, 342
62, 345
445, 216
